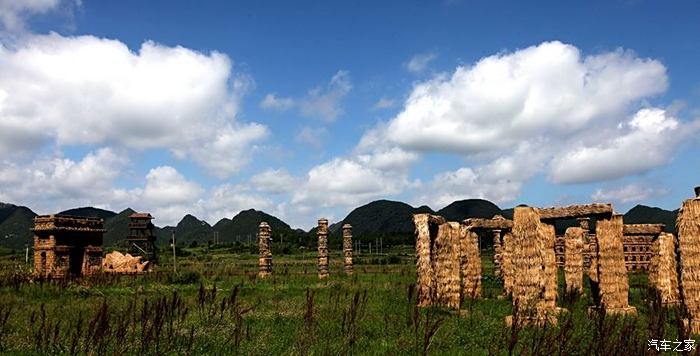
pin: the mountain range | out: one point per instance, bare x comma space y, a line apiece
390, 220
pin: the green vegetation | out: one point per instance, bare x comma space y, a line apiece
215, 304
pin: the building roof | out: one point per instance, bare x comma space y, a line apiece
141, 216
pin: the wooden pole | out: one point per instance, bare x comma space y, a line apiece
174, 256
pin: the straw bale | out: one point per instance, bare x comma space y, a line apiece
470, 263
573, 259
688, 227
446, 265
116, 262
547, 237
527, 260
497, 222
426, 228
662, 269
643, 229
507, 263
497, 252
612, 274
265, 259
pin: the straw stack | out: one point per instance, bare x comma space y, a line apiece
470, 263
549, 259
425, 282
612, 274
265, 258
446, 265
347, 247
507, 263
573, 260
688, 226
528, 277
322, 232
497, 252
662, 269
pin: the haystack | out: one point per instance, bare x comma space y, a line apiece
663, 275
507, 263
612, 274
446, 265
116, 262
548, 237
528, 264
497, 252
573, 260
688, 227
426, 229
470, 263
322, 233
265, 258
347, 248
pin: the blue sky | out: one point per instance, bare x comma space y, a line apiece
309, 109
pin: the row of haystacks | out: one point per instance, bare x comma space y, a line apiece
448, 263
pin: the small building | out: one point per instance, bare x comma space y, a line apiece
141, 239
67, 246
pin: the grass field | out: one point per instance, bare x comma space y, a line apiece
215, 304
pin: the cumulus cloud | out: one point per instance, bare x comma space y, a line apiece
325, 103
227, 200
88, 90
630, 193
420, 62
648, 140
272, 102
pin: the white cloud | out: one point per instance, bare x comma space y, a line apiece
647, 141
630, 193
88, 90
272, 102
13, 13
325, 104
274, 181
225, 201
313, 136
534, 92
383, 103
53, 184
420, 62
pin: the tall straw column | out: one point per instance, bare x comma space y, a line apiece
688, 226
425, 281
612, 274
347, 247
446, 264
528, 265
662, 268
497, 252
265, 259
507, 271
549, 259
470, 262
573, 260
322, 232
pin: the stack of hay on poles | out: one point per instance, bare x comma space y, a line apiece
427, 226
347, 248
613, 285
663, 275
322, 233
688, 227
446, 265
529, 280
470, 263
265, 258
548, 236
573, 260
507, 271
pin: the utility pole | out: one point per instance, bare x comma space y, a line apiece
26, 253
174, 256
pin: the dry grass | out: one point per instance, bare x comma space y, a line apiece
573, 260
688, 227
612, 274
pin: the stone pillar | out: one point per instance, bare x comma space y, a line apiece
265, 259
347, 247
322, 232
497, 251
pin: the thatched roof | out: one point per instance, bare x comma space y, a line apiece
503, 224
433, 219
575, 211
643, 229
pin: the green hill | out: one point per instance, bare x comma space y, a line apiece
469, 208
90, 212
189, 229
15, 227
642, 214
244, 226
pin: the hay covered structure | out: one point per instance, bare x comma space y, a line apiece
663, 275
573, 260
265, 250
347, 248
322, 233
688, 227
613, 286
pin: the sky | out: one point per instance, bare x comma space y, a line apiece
309, 109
